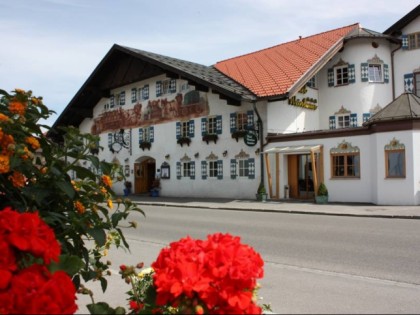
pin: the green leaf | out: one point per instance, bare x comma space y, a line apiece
68, 263
67, 188
104, 284
98, 235
82, 172
102, 308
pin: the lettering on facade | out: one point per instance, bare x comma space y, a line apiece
305, 102
183, 106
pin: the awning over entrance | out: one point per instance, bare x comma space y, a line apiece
315, 153
301, 149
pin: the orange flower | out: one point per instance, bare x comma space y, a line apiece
80, 207
107, 180
7, 143
17, 107
33, 142
4, 164
3, 117
110, 204
18, 179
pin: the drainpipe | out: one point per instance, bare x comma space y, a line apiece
392, 69
260, 135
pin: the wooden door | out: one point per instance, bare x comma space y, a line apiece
292, 171
141, 178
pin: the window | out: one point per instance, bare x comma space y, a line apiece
241, 121
345, 161
122, 98
186, 169
375, 73
417, 83
395, 159
413, 40
211, 125
213, 168
312, 83
341, 75
343, 121
184, 129
112, 101
165, 87
242, 166
133, 95
146, 134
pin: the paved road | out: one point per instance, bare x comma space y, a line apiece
313, 264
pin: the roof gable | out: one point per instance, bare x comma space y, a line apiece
274, 71
396, 28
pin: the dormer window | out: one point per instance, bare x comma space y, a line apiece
342, 73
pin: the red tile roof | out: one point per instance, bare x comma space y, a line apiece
273, 71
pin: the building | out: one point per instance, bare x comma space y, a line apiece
339, 107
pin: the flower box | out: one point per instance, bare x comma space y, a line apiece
145, 145
210, 137
238, 134
184, 140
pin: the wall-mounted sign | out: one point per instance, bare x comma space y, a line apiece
250, 139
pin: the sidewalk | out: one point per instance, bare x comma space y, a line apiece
284, 206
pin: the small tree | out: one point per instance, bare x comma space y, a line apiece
322, 190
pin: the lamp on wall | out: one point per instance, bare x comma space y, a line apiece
167, 156
257, 151
225, 153
196, 155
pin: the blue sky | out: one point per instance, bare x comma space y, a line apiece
52, 46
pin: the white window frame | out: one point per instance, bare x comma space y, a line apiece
376, 72
186, 169
342, 121
212, 125
413, 40
243, 169
241, 121
341, 75
213, 169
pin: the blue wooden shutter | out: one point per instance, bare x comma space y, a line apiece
409, 82
178, 170
250, 120
332, 122
203, 169
140, 135
330, 75
364, 69
145, 92
352, 73
232, 122
172, 86
220, 169
353, 119
111, 101
109, 139
233, 168
191, 129
158, 88
219, 124
203, 126
133, 95
178, 129
404, 40
386, 73
151, 133
251, 168
192, 169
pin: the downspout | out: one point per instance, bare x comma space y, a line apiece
260, 135
392, 69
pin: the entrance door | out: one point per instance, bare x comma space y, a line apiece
144, 175
305, 177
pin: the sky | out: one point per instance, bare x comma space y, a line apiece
52, 46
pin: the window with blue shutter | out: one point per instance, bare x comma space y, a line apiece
330, 75
151, 133
366, 117
191, 128
404, 40
111, 101
133, 95
364, 67
178, 170
219, 124
251, 168
351, 74
203, 169
233, 173
409, 82
178, 130
192, 169
122, 98
220, 169
203, 126
233, 127
158, 88
110, 139
332, 122
353, 120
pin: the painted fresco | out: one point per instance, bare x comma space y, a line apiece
183, 106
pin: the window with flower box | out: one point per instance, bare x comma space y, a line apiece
345, 161
395, 159
211, 127
240, 123
185, 131
146, 137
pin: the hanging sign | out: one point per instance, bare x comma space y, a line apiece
250, 139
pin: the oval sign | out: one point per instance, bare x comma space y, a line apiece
250, 139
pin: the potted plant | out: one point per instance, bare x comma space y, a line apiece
154, 191
322, 195
261, 193
127, 190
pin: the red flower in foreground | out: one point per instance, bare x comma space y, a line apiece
220, 273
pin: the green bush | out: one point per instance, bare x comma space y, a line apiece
322, 190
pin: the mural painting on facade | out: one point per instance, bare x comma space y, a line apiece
183, 106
